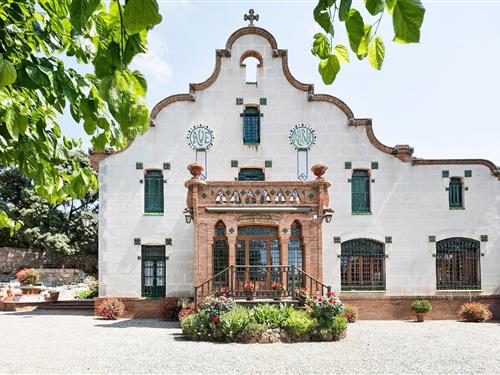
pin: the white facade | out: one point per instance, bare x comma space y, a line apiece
409, 201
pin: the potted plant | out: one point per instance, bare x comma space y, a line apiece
420, 307
53, 295
278, 290
250, 288
28, 276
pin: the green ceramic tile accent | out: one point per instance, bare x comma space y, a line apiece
432, 238
445, 174
374, 164
231, 230
349, 180
257, 192
311, 196
348, 165
138, 165
166, 166
388, 239
239, 101
141, 181
261, 114
284, 230
468, 173
204, 195
484, 238
269, 163
263, 101
137, 241
168, 241
337, 240
234, 163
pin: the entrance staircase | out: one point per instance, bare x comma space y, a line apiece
231, 281
75, 304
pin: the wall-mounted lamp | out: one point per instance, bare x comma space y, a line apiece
188, 215
327, 215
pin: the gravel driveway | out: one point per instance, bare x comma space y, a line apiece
61, 342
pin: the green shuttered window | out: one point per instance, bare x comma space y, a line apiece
360, 189
251, 126
455, 193
153, 192
251, 174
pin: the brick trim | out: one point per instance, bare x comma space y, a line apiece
252, 53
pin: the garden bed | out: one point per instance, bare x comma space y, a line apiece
219, 318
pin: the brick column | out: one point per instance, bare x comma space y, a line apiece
283, 240
231, 241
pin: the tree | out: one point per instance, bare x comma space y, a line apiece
35, 86
68, 228
407, 17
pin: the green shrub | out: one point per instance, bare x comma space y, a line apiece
338, 327
232, 323
334, 329
475, 312
325, 307
298, 323
350, 313
272, 316
252, 329
91, 292
421, 306
189, 325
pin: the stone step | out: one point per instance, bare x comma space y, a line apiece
68, 305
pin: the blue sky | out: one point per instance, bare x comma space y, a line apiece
441, 96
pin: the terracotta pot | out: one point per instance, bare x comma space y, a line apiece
54, 296
319, 170
195, 169
420, 317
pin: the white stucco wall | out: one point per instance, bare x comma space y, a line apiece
409, 202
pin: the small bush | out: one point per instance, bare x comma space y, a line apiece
271, 316
28, 276
338, 327
185, 312
91, 292
325, 307
421, 306
298, 323
111, 309
475, 312
350, 313
188, 324
232, 323
215, 306
251, 330
170, 309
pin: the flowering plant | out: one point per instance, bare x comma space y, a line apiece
475, 312
169, 310
223, 291
185, 312
350, 313
303, 292
325, 307
215, 306
111, 309
28, 276
278, 286
250, 286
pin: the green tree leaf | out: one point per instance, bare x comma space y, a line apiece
407, 17
7, 73
342, 53
356, 31
328, 69
344, 8
321, 46
376, 53
322, 16
81, 11
140, 15
374, 6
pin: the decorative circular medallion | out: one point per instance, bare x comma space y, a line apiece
302, 137
200, 137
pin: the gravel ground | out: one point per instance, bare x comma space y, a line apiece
61, 342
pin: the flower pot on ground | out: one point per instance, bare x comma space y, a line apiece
420, 307
53, 295
249, 288
278, 290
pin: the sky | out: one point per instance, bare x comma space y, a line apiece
441, 96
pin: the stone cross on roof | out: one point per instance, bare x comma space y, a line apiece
251, 17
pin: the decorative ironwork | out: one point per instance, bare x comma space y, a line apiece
220, 258
258, 231
362, 265
153, 271
251, 17
458, 264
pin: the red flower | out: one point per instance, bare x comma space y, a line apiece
331, 301
215, 320
329, 294
320, 299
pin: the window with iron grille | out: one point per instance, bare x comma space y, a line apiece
220, 255
360, 191
153, 192
251, 174
455, 193
458, 264
295, 252
251, 126
362, 265
153, 271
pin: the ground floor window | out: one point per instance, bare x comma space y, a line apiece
153, 271
362, 265
458, 264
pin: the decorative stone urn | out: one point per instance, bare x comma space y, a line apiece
195, 169
319, 170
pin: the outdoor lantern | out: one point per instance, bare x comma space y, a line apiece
327, 215
188, 215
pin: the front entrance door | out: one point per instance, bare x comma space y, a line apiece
258, 251
153, 271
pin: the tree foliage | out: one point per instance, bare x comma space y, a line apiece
407, 17
36, 86
68, 228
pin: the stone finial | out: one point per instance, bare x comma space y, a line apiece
195, 169
319, 170
251, 17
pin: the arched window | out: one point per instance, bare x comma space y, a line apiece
455, 193
251, 126
251, 61
295, 245
220, 256
360, 191
362, 265
458, 264
153, 192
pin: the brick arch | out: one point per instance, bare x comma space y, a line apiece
252, 53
